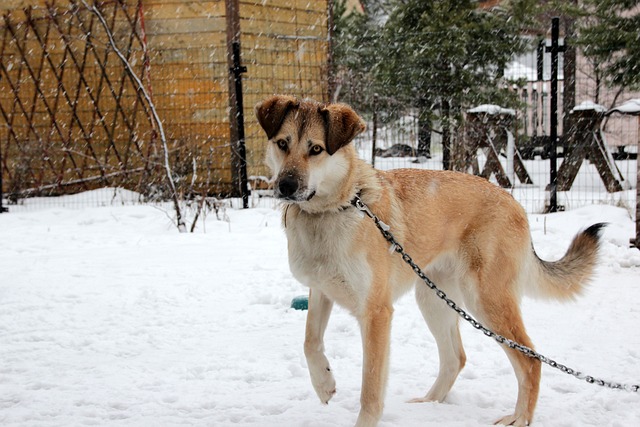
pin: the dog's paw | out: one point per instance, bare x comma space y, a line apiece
432, 396
324, 383
513, 420
367, 420
422, 400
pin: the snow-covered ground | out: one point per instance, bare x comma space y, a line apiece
109, 317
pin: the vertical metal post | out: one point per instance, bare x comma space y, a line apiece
374, 135
554, 49
236, 117
240, 147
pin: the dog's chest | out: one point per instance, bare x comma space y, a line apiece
322, 255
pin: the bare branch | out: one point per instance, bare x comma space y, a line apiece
179, 219
29, 191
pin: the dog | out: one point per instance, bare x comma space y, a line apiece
469, 236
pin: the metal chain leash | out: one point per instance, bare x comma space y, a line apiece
397, 247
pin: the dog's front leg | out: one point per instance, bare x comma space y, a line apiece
376, 330
319, 368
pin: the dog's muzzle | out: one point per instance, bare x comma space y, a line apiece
289, 188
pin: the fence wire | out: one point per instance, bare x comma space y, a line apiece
75, 123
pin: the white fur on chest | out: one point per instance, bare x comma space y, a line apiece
322, 256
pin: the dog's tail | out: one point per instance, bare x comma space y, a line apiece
566, 278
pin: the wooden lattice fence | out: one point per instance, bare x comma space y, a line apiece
74, 118
74, 121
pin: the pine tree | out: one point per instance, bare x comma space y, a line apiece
439, 56
609, 36
356, 39
447, 55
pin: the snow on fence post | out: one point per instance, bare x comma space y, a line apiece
172, 187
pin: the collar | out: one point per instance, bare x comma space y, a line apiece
353, 203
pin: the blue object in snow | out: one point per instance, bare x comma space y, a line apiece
300, 303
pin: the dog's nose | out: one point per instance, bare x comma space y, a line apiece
288, 186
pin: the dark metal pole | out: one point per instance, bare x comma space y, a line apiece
555, 49
236, 117
374, 135
241, 149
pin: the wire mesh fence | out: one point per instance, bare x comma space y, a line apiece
76, 123
610, 179
597, 151
288, 65
73, 122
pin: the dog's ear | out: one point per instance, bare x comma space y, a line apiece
272, 111
342, 124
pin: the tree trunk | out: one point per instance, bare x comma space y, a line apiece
424, 134
446, 135
569, 71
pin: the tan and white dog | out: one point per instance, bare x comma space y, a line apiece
470, 237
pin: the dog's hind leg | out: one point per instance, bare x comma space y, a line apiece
443, 323
527, 369
319, 369
499, 311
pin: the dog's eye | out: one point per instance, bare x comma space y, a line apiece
315, 150
282, 144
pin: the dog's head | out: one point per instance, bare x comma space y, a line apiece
307, 150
